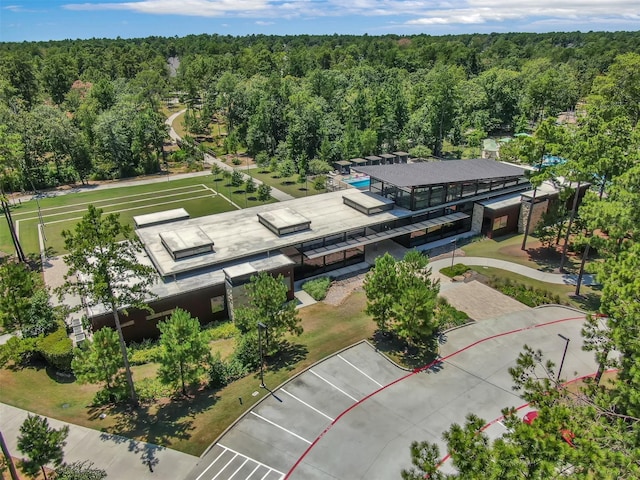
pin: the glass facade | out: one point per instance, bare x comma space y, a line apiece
428, 196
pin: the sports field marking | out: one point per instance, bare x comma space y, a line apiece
306, 404
150, 199
116, 211
149, 194
258, 464
337, 388
281, 427
351, 364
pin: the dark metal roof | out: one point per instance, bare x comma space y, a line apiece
434, 173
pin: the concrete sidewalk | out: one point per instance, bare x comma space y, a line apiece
556, 278
120, 457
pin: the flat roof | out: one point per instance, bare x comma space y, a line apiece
445, 171
498, 203
282, 218
185, 238
357, 160
371, 200
373, 158
344, 163
169, 287
401, 154
239, 234
387, 155
165, 216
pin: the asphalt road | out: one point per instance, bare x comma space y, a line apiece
355, 414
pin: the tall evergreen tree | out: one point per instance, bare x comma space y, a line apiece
41, 444
105, 271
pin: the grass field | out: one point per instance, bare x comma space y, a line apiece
197, 196
286, 185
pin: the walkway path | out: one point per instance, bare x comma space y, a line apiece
211, 160
555, 278
120, 457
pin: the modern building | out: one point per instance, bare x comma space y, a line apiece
203, 263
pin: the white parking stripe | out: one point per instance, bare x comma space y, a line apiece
234, 473
211, 464
253, 471
348, 362
281, 428
306, 404
260, 464
226, 465
339, 389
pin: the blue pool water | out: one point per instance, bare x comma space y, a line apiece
359, 182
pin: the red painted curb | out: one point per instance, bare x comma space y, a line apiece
418, 370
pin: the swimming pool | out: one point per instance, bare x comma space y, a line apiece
359, 182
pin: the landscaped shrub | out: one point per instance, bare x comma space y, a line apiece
317, 288
457, 269
57, 350
448, 316
247, 351
150, 389
147, 351
217, 371
532, 297
220, 331
18, 350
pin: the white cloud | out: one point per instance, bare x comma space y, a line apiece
263, 23
411, 12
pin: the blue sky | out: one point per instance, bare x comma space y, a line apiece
61, 19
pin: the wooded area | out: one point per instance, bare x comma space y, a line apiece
93, 109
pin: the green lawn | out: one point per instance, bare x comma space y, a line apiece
190, 425
196, 195
289, 185
508, 248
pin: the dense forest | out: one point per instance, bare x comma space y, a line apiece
92, 109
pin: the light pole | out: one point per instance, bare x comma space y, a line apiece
566, 346
453, 253
261, 326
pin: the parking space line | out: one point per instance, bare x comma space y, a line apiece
281, 427
239, 468
337, 388
349, 363
306, 404
211, 464
253, 471
226, 465
260, 464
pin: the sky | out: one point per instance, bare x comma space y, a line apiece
37, 20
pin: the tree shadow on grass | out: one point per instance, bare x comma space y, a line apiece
159, 424
289, 356
408, 356
589, 302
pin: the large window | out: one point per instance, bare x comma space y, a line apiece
500, 222
437, 196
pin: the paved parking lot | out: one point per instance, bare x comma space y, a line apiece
355, 414
279, 429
